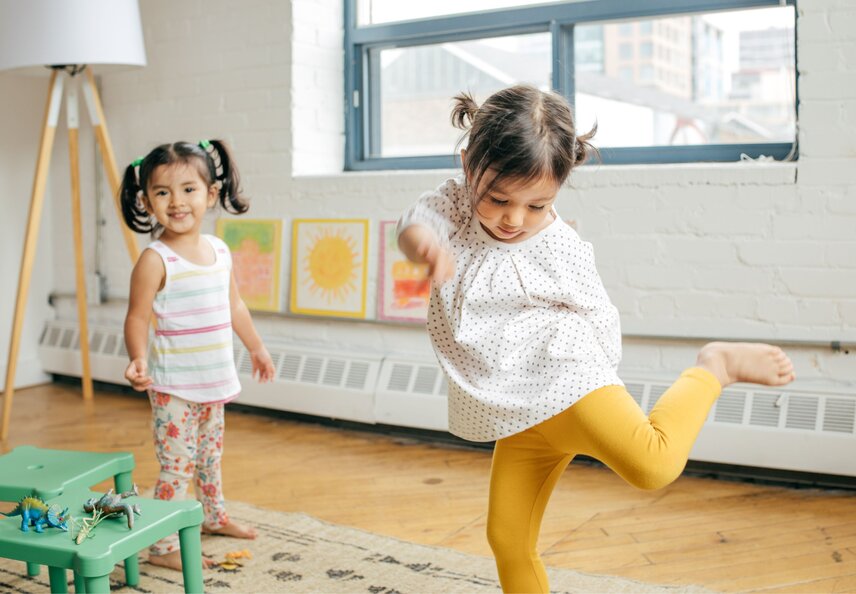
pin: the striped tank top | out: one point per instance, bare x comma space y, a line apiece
191, 354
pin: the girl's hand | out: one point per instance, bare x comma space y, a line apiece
441, 265
137, 374
263, 368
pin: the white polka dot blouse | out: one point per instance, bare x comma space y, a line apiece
523, 330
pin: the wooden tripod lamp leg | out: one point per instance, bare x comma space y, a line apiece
99, 124
31, 237
74, 162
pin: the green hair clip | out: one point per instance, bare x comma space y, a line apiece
137, 162
205, 143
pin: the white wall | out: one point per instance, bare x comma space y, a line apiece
24, 99
747, 250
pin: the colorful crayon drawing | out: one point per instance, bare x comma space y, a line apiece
404, 288
329, 267
256, 246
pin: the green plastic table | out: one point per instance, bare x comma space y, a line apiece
111, 542
49, 473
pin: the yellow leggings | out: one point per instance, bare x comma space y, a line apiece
648, 452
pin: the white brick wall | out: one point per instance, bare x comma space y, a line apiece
759, 250
317, 87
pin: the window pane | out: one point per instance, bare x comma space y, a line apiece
719, 78
417, 85
371, 12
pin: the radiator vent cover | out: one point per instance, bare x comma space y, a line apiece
309, 381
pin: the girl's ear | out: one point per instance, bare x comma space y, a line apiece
213, 192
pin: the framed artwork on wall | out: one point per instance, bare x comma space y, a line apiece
256, 246
329, 267
403, 287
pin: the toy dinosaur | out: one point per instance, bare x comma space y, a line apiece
36, 513
111, 503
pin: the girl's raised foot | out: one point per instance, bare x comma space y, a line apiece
751, 362
233, 530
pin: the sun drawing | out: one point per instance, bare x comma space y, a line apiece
332, 265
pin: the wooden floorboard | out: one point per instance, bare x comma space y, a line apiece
728, 536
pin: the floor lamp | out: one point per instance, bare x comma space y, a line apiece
69, 37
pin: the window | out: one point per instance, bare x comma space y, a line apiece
422, 79
663, 85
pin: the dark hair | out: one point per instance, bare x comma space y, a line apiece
208, 156
520, 133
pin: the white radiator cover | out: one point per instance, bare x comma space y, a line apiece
783, 429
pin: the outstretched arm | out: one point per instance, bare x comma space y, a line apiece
146, 280
242, 324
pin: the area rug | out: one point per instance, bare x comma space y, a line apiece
298, 553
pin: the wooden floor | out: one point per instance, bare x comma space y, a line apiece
727, 536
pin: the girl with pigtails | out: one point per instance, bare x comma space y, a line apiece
184, 279
527, 336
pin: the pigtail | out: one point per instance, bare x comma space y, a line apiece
133, 211
465, 108
227, 174
583, 148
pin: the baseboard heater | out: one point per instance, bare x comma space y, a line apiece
781, 429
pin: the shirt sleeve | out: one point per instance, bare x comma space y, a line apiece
444, 210
583, 290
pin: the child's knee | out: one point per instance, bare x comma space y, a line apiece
504, 540
654, 473
180, 466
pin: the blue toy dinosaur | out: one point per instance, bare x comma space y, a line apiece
36, 513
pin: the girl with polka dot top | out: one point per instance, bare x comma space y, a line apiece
527, 336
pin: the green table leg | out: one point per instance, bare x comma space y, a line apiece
98, 585
33, 569
124, 483
132, 571
79, 584
59, 583
191, 559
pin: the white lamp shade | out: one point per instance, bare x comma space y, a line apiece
39, 33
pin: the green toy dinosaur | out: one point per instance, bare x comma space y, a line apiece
36, 513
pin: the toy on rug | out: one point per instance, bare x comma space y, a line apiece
108, 505
231, 563
36, 513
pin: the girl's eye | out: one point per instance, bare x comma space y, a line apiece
189, 189
498, 202
160, 193
533, 207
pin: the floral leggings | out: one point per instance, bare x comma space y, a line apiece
188, 444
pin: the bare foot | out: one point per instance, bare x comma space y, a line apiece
752, 362
233, 530
173, 561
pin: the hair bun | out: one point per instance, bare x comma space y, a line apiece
465, 108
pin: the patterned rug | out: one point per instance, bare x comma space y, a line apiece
298, 553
